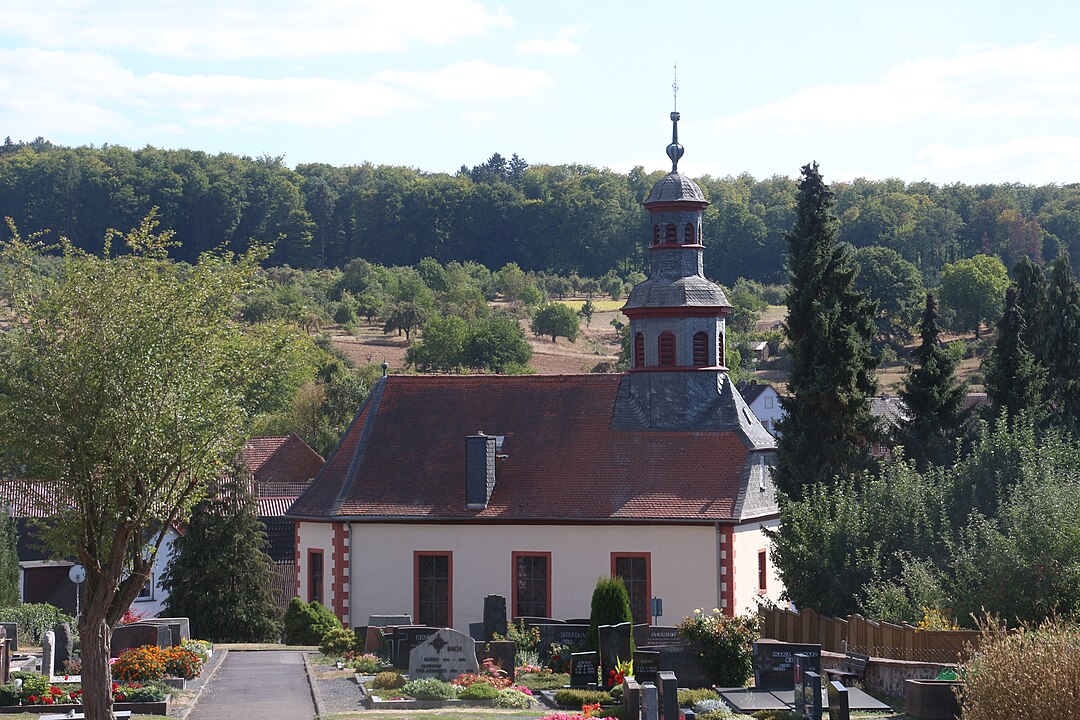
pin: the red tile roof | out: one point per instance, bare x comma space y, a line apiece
258, 450
404, 456
30, 498
281, 466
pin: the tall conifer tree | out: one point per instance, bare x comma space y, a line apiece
1059, 340
1014, 380
1030, 300
220, 573
9, 560
933, 397
827, 428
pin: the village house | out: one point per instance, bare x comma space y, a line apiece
446, 489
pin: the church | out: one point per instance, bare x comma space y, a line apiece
446, 489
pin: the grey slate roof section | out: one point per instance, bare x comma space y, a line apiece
690, 401
675, 187
688, 291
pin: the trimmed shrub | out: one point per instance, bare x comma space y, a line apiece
429, 689
612, 711
388, 681
478, 691
690, 698
306, 623
337, 642
725, 645
34, 620
610, 606
513, 699
568, 697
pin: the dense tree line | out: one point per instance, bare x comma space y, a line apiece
565, 219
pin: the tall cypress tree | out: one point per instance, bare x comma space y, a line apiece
933, 397
220, 573
1014, 380
1030, 300
1059, 338
827, 428
9, 560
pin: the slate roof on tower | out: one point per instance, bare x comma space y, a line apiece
562, 457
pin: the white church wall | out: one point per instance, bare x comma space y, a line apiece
749, 541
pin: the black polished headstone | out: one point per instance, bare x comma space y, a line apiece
646, 665
583, 667
139, 634
774, 663
573, 636
807, 689
657, 635
501, 652
531, 621
685, 662
389, 620
614, 647
669, 695
494, 617
838, 702
404, 640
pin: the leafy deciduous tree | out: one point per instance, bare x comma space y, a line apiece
973, 290
556, 319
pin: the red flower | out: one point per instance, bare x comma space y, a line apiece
55, 691
32, 699
47, 700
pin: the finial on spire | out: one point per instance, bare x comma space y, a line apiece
675, 150
675, 89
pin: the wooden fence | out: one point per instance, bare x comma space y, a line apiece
870, 637
283, 582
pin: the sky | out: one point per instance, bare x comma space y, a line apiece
946, 91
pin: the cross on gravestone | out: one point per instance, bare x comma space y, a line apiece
583, 669
48, 645
445, 655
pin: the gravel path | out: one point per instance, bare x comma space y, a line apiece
336, 689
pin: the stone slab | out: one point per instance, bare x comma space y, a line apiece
774, 663
749, 700
139, 634
445, 655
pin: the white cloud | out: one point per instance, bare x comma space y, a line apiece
472, 80
561, 43
212, 29
1017, 82
1036, 160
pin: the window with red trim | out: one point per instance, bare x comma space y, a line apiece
688, 234
639, 350
532, 584
666, 345
701, 349
315, 576
433, 584
635, 571
671, 233
762, 571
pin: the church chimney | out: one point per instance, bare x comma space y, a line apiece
479, 470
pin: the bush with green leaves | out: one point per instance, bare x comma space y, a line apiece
201, 648
570, 697
690, 698
512, 698
388, 680
33, 684
307, 623
366, 664
610, 606
34, 620
478, 691
543, 681
725, 645
337, 642
150, 692
429, 689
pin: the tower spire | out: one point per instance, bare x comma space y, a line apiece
675, 150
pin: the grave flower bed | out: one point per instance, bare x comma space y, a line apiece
490, 686
37, 694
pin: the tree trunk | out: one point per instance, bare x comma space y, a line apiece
95, 637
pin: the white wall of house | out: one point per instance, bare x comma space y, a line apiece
766, 408
316, 536
749, 541
683, 564
151, 600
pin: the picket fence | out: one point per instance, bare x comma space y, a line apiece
870, 637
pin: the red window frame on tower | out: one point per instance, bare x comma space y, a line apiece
639, 349
665, 345
701, 348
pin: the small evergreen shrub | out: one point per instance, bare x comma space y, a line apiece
306, 623
478, 691
337, 642
513, 699
713, 707
429, 689
366, 664
689, 698
9, 694
388, 681
610, 606
543, 681
568, 697
34, 620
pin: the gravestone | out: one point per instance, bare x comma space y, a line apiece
838, 702
388, 620
774, 663
5, 657
807, 689
65, 647
650, 702
12, 630
631, 699
614, 647
669, 696
48, 658
445, 655
139, 634
501, 652
404, 640
179, 628
494, 617
530, 621
657, 635
684, 661
646, 665
573, 636
583, 667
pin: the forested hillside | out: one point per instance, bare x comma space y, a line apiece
564, 219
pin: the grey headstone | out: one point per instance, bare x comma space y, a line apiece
494, 617
180, 628
614, 647
650, 702
838, 702
139, 634
583, 667
12, 630
48, 657
646, 665
65, 647
774, 663
385, 620
501, 652
631, 699
657, 635
669, 696
445, 655
573, 636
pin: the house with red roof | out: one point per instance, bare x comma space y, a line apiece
446, 489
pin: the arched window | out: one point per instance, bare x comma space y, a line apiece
639, 350
701, 349
666, 343
688, 234
655, 234
671, 233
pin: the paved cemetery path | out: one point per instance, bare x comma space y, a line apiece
265, 684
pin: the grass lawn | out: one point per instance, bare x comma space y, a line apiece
600, 304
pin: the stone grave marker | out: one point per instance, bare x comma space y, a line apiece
501, 652
388, 620
583, 669
12, 631
179, 628
774, 663
649, 635
444, 655
572, 636
650, 702
631, 699
405, 639
5, 657
65, 647
614, 647
684, 661
494, 616
48, 657
530, 621
139, 634
838, 702
669, 696
646, 665
807, 689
